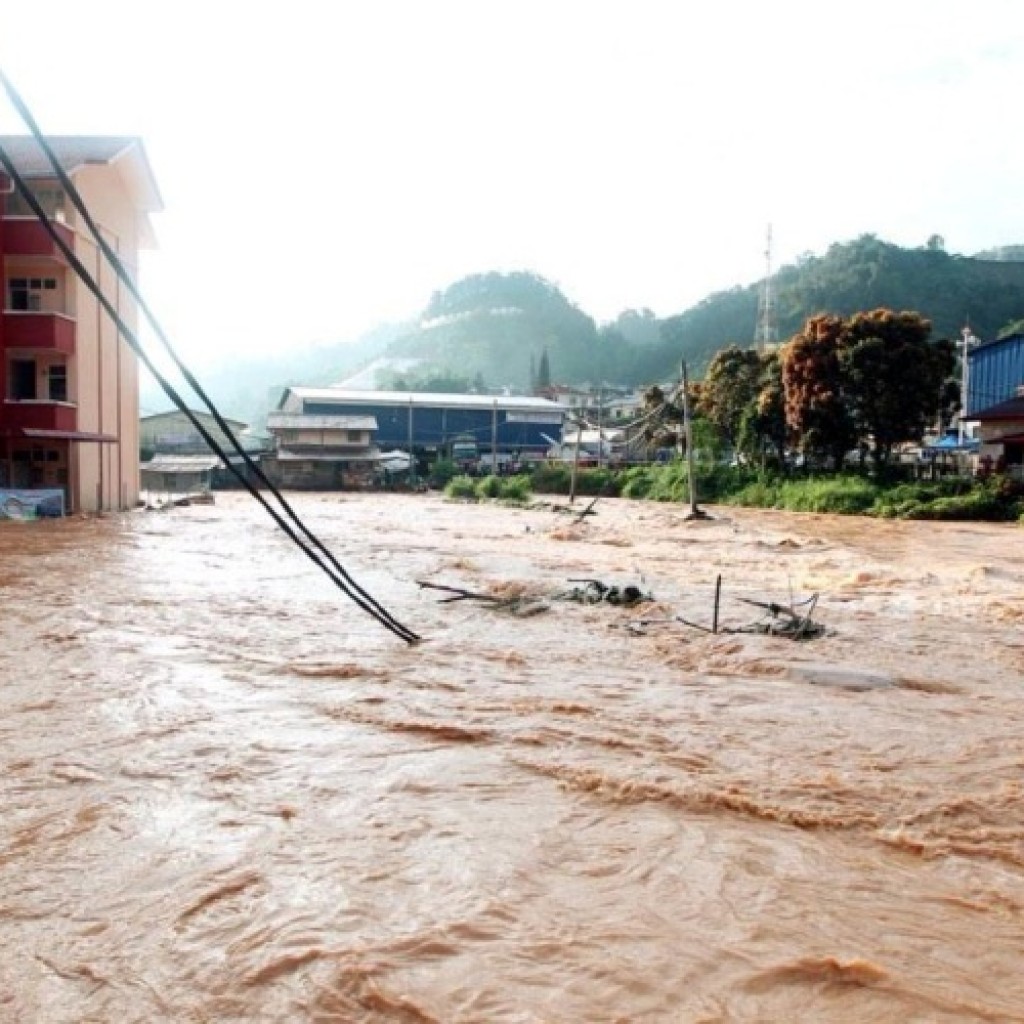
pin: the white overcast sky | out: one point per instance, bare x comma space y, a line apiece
327, 165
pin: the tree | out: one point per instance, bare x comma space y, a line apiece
812, 379
893, 377
763, 426
730, 388
873, 379
543, 371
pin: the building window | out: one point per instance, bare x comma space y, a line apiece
57, 376
50, 197
26, 293
355, 435
22, 381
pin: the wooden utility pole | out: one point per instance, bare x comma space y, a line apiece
494, 440
694, 513
575, 462
412, 475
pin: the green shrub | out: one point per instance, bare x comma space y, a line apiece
556, 478
980, 504
460, 487
844, 495
488, 487
637, 481
443, 471
551, 478
515, 489
762, 493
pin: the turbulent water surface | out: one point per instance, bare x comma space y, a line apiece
229, 795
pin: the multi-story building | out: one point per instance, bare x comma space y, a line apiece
69, 415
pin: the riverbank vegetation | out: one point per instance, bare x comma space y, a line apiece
950, 498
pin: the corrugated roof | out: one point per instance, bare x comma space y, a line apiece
302, 421
205, 417
284, 455
180, 464
426, 399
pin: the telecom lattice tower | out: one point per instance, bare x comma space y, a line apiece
766, 334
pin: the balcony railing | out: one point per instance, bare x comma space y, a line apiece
25, 236
52, 332
40, 415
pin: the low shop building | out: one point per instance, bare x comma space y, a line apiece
321, 451
1001, 431
178, 475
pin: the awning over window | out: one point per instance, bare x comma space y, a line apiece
41, 434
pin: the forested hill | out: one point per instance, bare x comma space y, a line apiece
495, 328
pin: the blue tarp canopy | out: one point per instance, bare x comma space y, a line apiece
951, 443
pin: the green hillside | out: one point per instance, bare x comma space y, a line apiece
497, 326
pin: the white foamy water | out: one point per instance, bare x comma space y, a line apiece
230, 796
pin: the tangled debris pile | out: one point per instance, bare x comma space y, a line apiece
781, 620
792, 621
517, 601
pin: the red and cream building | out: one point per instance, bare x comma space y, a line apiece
69, 416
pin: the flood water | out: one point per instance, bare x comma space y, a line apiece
229, 795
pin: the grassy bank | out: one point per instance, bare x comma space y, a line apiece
995, 499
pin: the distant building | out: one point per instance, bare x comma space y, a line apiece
431, 421
320, 451
334, 436
179, 474
173, 433
69, 417
995, 372
995, 401
1001, 429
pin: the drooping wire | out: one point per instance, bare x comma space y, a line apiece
318, 553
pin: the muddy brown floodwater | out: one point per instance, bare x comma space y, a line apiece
229, 795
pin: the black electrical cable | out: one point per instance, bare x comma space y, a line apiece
343, 581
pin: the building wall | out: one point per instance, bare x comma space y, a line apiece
354, 439
995, 372
433, 427
303, 474
5, 186
106, 476
173, 431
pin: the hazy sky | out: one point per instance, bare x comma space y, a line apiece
327, 165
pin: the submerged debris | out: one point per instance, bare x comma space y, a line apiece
782, 620
793, 621
594, 592
517, 601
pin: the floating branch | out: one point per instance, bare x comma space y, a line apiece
588, 511
517, 604
460, 594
